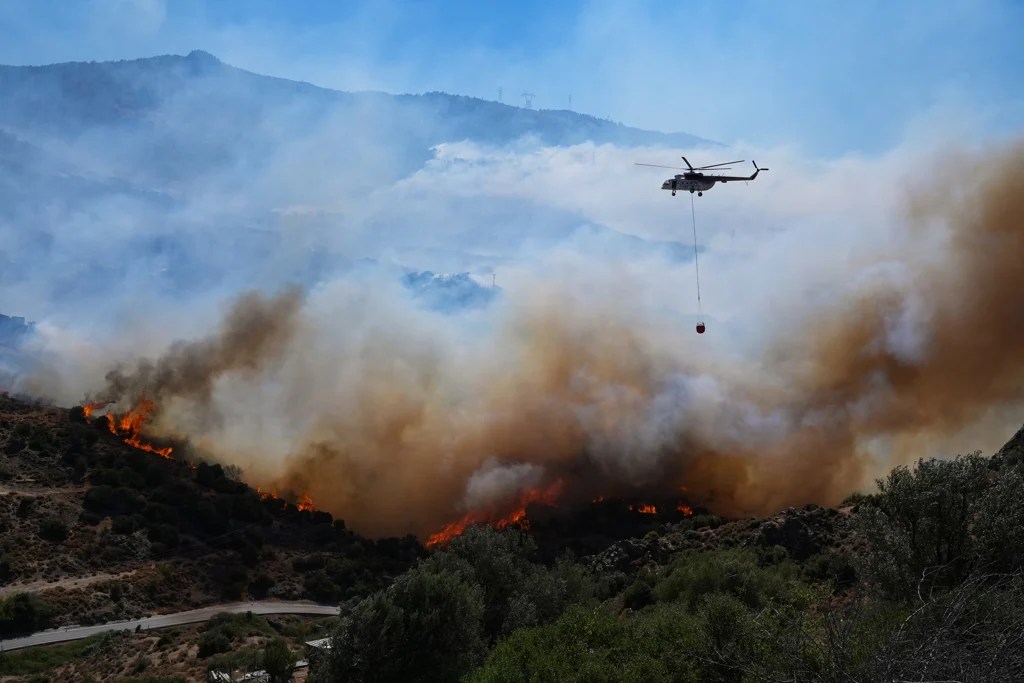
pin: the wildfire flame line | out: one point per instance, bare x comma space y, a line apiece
305, 503
517, 517
129, 425
128, 428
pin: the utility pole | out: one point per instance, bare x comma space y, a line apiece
528, 97
570, 102
499, 94
494, 278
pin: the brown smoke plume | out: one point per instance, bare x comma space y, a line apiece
255, 331
397, 432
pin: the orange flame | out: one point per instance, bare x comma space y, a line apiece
128, 426
599, 499
518, 517
305, 503
685, 509
264, 496
646, 509
131, 422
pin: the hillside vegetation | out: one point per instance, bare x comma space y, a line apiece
98, 530
921, 580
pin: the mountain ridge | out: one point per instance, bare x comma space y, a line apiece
83, 78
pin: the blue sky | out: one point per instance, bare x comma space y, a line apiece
828, 78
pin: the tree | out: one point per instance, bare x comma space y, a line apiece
6, 568
278, 661
23, 613
427, 626
54, 530
937, 524
498, 562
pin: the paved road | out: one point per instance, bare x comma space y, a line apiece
165, 620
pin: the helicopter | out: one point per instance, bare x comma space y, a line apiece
695, 181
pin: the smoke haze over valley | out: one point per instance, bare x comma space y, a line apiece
301, 280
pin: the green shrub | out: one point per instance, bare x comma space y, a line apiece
54, 530
213, 642
736, 572
428, 626
6, 568
937, 524
638, 595
23, 613
25, 507
260, 586
837, 569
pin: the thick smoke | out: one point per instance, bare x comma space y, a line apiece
389, 420
254, 333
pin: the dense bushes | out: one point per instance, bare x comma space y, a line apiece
693, 575
437, 621
480, 611
427, 626
218, 634
973, 632
547, 624
23, 613
54, 530
946, 519
173, 505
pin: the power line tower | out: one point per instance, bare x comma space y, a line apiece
528, 98
570, 102
499, 94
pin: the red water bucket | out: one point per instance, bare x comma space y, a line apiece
700, 328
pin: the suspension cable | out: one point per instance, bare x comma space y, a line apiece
693, 215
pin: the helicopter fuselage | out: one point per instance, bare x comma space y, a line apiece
688, 183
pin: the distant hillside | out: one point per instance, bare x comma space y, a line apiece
73, 96
204, 172
168, 118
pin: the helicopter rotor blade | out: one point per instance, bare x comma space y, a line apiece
678, 168
724, 163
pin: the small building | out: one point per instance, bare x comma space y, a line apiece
317, 648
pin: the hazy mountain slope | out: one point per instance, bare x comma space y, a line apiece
186, 170
72, 97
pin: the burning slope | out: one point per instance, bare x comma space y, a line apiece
515, 518
305, 502
393, 424
128, 427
